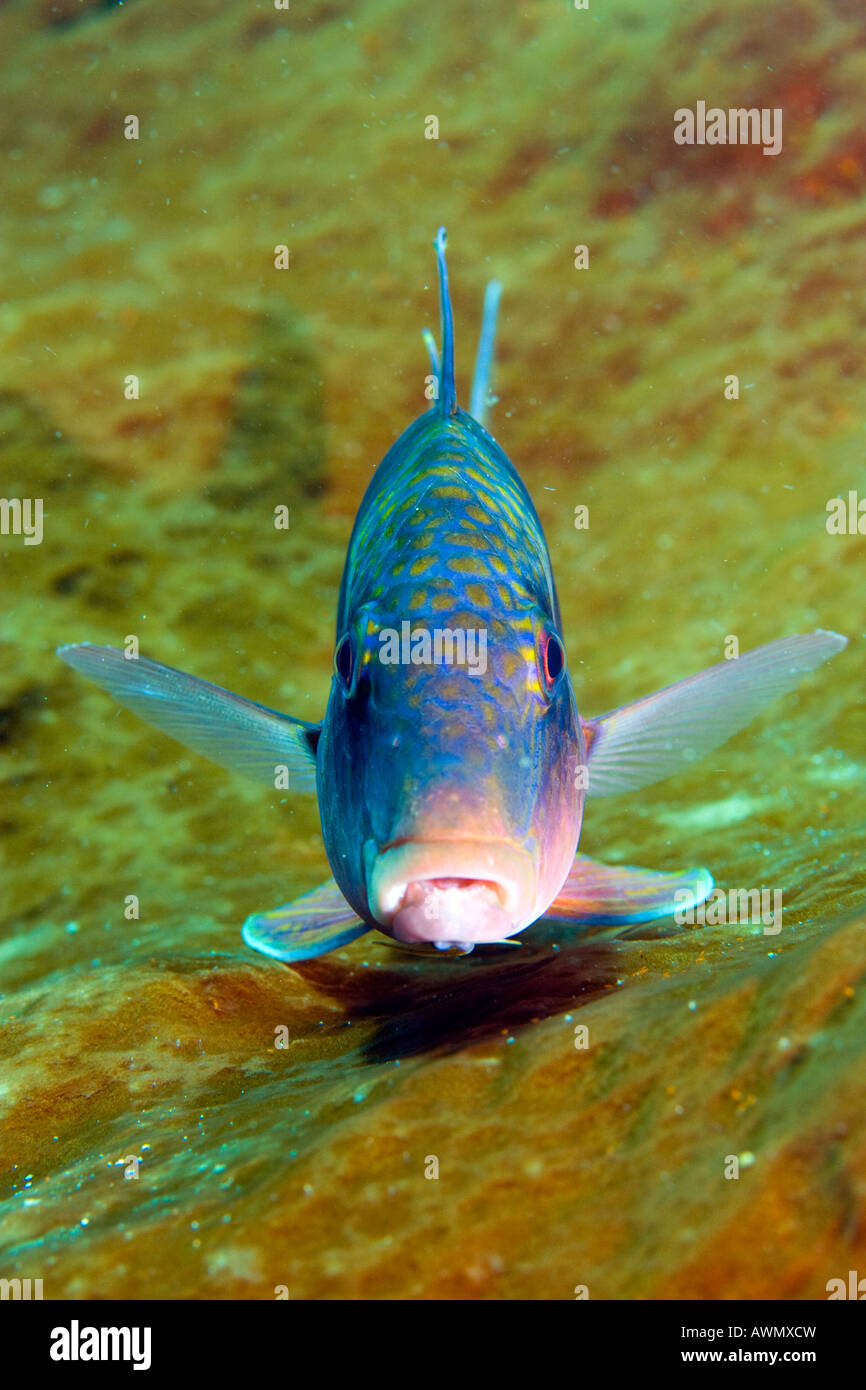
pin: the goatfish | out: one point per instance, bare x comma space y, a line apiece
451, 766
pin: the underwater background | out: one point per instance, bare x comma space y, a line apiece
303, 1167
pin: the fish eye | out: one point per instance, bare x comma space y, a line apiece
552, 662
344, 661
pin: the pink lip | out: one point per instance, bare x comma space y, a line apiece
452, 890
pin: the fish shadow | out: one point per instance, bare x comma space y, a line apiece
424, 1005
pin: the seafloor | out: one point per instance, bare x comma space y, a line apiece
154, 1038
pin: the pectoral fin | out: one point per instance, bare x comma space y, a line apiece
237, 733
649, 740
616, 894
319, 921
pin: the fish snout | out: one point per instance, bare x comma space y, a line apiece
452, 892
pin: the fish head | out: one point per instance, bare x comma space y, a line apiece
448, 769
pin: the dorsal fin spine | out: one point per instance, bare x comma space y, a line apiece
447, 390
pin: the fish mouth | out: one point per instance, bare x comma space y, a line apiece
452, 893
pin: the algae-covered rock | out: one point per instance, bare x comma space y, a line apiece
275, 441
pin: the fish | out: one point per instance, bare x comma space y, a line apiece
451, 765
